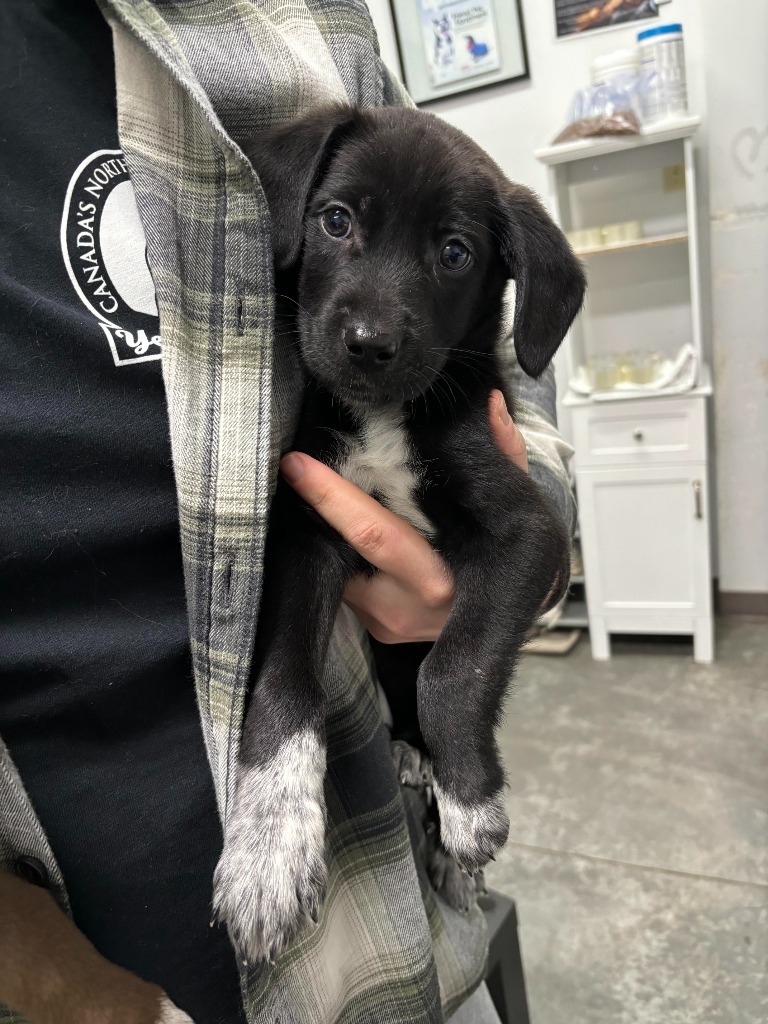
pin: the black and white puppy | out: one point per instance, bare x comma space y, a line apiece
402, 234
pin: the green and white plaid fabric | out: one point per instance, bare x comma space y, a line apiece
194, 79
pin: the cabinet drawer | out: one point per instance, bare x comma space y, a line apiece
638, 433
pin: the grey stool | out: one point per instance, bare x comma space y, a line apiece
504, 978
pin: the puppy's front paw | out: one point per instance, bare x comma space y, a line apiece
413, 767
455, 885
472, 833
272, 873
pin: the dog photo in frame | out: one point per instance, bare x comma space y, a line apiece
448, 47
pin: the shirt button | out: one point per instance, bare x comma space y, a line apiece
33, 871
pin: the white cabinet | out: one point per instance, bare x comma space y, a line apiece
645, 546
641, 463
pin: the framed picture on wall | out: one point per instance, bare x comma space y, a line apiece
574, 17
453, 46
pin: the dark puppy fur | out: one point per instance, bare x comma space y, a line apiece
403, 234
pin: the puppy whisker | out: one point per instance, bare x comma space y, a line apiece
456, 383
289, 298
451, 382
438, 378
441, 383
287, 334
463, 352
441, 386
428, 390
465, 359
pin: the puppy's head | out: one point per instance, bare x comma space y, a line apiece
407, 233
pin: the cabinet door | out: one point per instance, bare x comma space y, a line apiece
645, 542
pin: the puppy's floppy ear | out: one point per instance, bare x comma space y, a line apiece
290, 160
549, 280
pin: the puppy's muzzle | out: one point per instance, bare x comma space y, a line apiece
369, 348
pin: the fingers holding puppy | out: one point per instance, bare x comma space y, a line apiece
381, 537
506, 432
411, 597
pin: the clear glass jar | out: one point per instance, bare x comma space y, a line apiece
639, 367
602, 372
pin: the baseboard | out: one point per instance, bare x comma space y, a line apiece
742, 602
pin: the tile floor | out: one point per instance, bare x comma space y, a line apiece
638, 852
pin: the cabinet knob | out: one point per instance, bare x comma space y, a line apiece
637, 434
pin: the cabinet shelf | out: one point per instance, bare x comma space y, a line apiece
574, 616
641, 462
583, 149
637, 243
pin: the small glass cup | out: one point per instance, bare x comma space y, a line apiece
602, 372
640, 367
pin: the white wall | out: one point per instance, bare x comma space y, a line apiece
511, 121
728, 86
735, 39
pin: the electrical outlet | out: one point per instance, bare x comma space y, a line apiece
674, 178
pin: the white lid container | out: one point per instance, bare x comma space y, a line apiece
612, 65
660, 33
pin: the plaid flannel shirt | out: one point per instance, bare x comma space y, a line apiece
194, 79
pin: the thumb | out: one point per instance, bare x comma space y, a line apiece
505, 432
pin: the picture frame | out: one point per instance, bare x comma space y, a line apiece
450, 47
574, 18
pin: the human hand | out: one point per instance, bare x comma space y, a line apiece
411, 595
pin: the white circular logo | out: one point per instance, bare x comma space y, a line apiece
104, 250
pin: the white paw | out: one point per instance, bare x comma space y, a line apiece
472, 833
271, 876
171, 1014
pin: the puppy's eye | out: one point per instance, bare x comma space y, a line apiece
455, 256
336, 222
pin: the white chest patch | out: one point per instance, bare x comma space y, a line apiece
379, 461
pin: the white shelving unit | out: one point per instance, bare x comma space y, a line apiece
636, 243
641, 463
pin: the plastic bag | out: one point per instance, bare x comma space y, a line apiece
611, 108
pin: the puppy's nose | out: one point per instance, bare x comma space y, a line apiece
369, 348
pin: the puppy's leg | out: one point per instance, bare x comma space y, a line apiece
271, 876
502, 581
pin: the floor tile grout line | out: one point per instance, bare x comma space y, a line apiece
639, 867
